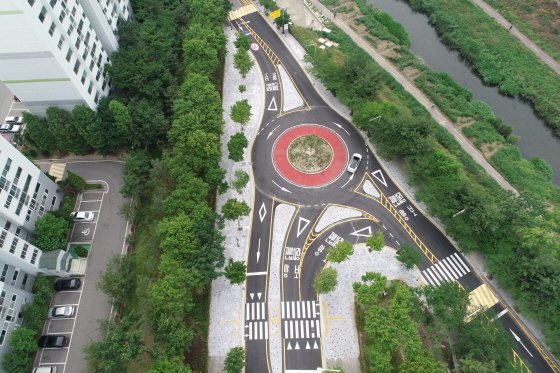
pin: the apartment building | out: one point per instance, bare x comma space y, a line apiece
53, 52
26, 194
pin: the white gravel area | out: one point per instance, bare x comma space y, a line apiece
282, 218
334, 214
370, 189
291, 99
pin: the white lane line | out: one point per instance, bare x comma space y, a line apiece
256, 273
552, 63
532, 46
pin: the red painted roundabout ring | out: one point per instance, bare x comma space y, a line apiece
316, 179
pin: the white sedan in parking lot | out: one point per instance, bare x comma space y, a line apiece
83, 216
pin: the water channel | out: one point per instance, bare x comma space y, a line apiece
536, 139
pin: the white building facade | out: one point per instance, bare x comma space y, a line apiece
26, 194
52, 52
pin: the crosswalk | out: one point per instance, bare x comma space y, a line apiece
448, 269
244, 10
256, 329
57, 170
296, 329
255, 311
300, 310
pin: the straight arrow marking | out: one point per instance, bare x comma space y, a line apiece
258, 256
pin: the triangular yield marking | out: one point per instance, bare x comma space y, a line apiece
315, 347
289, 346
297, 346
307, 347
272, 106
357, 234
381, 178
262, 212
252, 295
300, 229
259, 295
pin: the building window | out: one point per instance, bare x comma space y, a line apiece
14, 245
31, 2
24, 281
91, 64
97, 75
18, 231
84, 55
90, 87
74, 11
80, 27
70, 29
24, 251
4, 272
77, 67
2, 239
34, 256
42, 14
8, 225
86, 39
69, 55
78, 42
104, 85
93, 48
8, 202
18, 175
3, 332
28, 216
60, 41
53, 3
96, 99
2, 297
52, 28
7, 167
62, 16
53, 201
84, 75
14, 279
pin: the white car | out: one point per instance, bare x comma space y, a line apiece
45, 370
13, 120
61, 312
354, 163
83, 216
10, 128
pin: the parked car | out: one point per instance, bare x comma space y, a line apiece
61, 312
53, 341
354, 163
67, 284
83, 216
16, 99
45, 370
10, 128
13, 120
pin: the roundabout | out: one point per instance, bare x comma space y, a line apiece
309, 155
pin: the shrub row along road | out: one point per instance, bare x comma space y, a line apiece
297, 216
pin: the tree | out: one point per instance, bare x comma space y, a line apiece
200, 57
372, 286
471, 365
284, 19
236, 272
169, 365
341, 252
116, 281
373, 111
128, 210
89, 126
448, 302
240, 112
376, 242
23, 343
326, 280
242, 41
173, 294
242, 61
234, 209
236, 146
61, 124
122, 122
188, 196
37, 131
242, 88
408, 256
123, 343
235, 360
77, 181
51, 232
241, 180
135, 174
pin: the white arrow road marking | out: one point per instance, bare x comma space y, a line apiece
300, 229
259, 295
381, 178
270, 134
252, 295
315, 347
262, 212
357, 233
297, 346
521, 343
282, 188
289, 346
307, 347
351, 177
258, 256
342, 128
272, 106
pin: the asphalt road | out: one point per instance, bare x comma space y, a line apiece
109, 230
400, 219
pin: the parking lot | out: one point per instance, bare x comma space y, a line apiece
83, 232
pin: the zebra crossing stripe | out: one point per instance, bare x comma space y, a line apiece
458, 270
298, 305
303, 310
461, 260
318, 328
429, 271
266, 330
247, 313
454, 275
306, 327
309, 309
449, 276
443, 276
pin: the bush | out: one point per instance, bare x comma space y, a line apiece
51, 232
32, 152
81, 251
235, 360
77, 181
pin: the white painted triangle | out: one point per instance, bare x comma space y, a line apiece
307, 347
259, 295
297, 346
289, 346
262, 212
300, 229
381, 178
272, 106
252, 295
315, 347
357, 233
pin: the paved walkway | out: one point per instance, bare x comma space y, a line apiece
554, 65
436, 114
